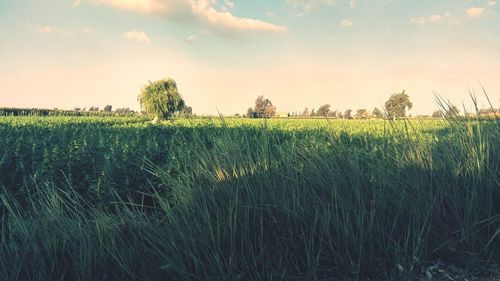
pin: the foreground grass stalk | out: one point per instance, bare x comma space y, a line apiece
225, 201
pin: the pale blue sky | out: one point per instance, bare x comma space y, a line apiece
298, 53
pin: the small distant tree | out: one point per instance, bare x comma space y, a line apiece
489, 111
94, 108
250, 113
161, 98
437, 114
269, 111
452, 111
305, 112
377, 113
264, 108
340, 114
77, 109
312, 113
107, 108
187, 111
347, 114
397, 105
362, 114
323, 110
123, 111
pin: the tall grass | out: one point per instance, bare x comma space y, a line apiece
261, 203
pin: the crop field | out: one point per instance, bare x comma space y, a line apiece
121, 198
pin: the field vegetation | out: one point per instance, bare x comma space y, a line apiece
120, 198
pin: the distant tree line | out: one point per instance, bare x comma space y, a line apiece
396, 106
325, 111
91, 111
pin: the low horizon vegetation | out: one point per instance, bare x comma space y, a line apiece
161, 100
119, 198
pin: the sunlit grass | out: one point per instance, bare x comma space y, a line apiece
93, 198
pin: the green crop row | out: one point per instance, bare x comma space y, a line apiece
108, 198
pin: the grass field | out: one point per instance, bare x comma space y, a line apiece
119, 198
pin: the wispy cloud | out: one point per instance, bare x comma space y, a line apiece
55, 30
191, 38
346, 23
471, 13
44, 29
435, 18
138, 36
228, 5
474, 12
270, 14
203, 11
306, 6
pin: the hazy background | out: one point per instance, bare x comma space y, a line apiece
223, 54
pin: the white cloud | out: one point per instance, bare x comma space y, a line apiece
474, 12
203, 11
435, 18
77, 2
138, 36
51, 29
229, 4
191, 38
86, 30
306, 6
418, 20
44, 29
351, 3
141, 6
492, 3
346, 23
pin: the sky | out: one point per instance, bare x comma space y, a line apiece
350, 54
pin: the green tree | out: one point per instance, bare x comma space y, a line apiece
377, 113
323, 110
161, 98
264, 108
362, 114
348, 114
107, 108
397, 105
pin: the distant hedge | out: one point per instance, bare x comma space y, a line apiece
58, 112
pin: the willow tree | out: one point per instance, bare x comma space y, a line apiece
397, 105
161, 99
